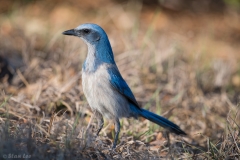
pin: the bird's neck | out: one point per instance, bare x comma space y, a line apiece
98, 55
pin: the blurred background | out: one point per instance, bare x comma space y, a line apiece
180, 57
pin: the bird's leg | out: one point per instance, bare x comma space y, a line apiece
91, 119
100, 122
117, 130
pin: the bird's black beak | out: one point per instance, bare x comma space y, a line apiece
70, 32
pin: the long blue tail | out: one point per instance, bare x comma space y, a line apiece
161, 121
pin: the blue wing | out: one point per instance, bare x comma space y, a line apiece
120, 85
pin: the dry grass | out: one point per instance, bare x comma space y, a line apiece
183, 66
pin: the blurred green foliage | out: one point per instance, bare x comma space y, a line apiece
233, 3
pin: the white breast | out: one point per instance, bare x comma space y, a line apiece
101, 96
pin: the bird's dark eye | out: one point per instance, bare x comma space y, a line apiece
86, 31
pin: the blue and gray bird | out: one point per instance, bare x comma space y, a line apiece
106, 91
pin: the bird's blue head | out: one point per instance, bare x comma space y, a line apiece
96, 39
90, 33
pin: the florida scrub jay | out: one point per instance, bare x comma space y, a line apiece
106, 91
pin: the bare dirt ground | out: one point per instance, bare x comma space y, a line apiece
180, 64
